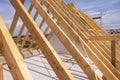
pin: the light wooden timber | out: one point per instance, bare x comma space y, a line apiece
44, 45
40, 26
1, 72
27, 33
12, 55
15, 19
14, 23
112, 38
24, 41
107, 37
22, 27
113, 53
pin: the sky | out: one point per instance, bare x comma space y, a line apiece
110, 10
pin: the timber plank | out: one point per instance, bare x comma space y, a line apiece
1, 72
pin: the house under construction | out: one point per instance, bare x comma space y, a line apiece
69, 36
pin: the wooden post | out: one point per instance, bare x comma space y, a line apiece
113, 51
1, 72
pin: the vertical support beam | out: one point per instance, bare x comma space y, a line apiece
1, 72
113, 53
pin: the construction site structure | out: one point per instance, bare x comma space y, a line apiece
78, 33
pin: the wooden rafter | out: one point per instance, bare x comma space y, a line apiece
107, 37
15, 61
1, 72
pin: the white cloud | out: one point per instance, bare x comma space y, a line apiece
88, 7
112, 16
111, 19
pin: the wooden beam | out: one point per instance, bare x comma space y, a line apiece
40, 26
27, 33
12, 55
112, 38
14, 23
72, 5
15, 19
24, 41
1, 72
20, 33
107, 37
23, 26
113, 53
48, 51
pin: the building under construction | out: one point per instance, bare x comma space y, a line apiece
61, 43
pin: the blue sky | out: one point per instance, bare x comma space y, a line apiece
96, 5
110, 9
